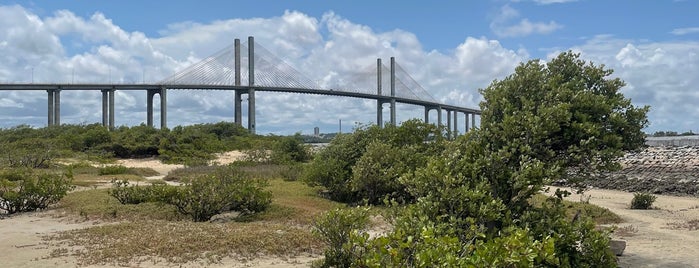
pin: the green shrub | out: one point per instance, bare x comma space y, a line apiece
207, 195
33, 191
134, 194
642, 201
336, 227
113, 170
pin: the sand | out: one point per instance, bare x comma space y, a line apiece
656, 237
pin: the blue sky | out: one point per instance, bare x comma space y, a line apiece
451, 47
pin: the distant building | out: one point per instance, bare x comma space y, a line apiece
316, 131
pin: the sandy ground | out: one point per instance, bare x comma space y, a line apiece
655, 238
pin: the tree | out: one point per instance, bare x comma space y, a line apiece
565, 119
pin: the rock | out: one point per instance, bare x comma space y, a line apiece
617, 246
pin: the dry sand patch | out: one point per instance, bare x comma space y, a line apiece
655, 241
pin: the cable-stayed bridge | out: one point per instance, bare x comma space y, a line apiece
260, 70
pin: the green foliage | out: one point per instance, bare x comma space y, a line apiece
134, 194
113, 170
206, 196
336, 228
366, 164
29, 191
202, 196
642, 201
24, 146
290, 149
560, 120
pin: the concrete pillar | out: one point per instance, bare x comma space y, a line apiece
466, 122
50, 107
57, 107
105, 104
473, 120
163, 108
393, 91
449, 133
149, 107
111, 109
439, 116
379, 103
456, 127
427, 115
251, 80
238, 108
238, 112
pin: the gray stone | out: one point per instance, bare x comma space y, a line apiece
617, 246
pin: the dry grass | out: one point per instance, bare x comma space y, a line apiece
152, 232
691, 225
99, 205
625, 231
182, 242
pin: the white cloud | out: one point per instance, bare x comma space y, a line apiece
684, 31
663, 75
504, 24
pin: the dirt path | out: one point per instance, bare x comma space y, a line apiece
659, 237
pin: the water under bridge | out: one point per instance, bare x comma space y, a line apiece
263, 72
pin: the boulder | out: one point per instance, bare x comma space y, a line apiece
617, 246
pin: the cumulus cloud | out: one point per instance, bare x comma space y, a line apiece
663, 75
505, 24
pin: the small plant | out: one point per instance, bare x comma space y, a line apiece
335, 229
642, 201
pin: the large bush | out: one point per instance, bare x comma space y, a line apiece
23, 190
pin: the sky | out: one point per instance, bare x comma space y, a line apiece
452, 48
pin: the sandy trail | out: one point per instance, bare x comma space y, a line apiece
659, 238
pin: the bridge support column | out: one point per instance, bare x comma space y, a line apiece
439, 116
111, 109
50, 107
473, 121
105, 105
456, 127
251, 81
427, 115
393, 91
449, 133
238, 112
379, 113
149, 107
238, 108
54, 107
163, 108
379, 103
466, 122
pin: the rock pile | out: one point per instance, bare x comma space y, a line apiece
658, 170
